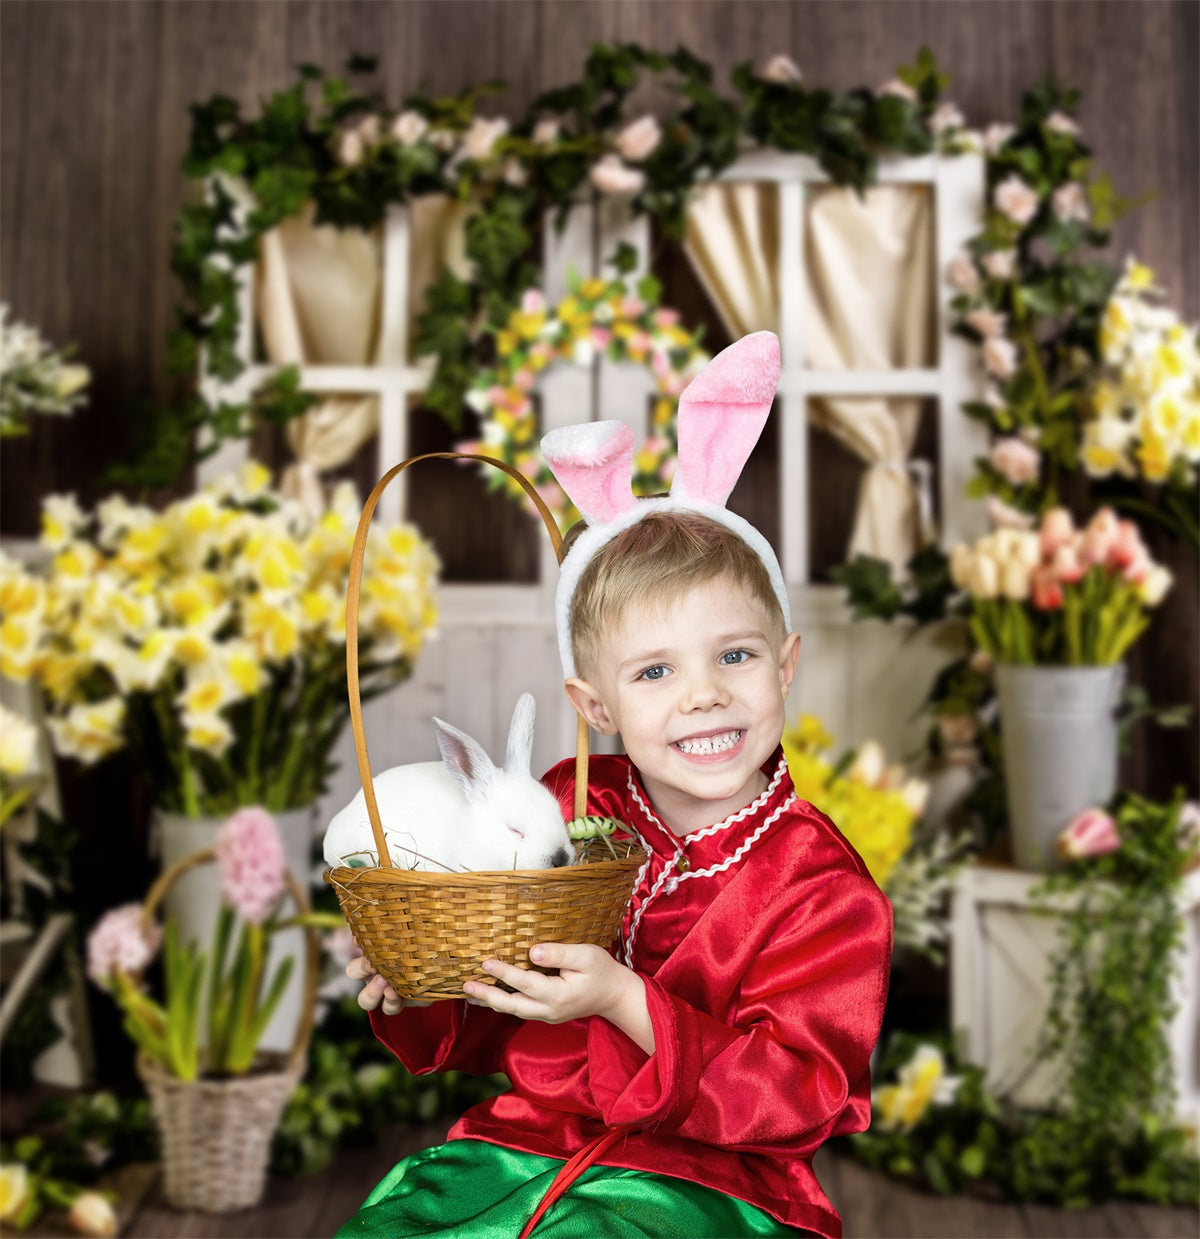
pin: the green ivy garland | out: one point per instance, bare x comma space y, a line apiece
343, 149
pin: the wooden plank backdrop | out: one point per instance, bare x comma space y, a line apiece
95, 99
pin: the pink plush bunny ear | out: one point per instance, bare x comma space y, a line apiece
721, 414
593, 463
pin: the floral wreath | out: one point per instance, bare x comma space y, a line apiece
598, 318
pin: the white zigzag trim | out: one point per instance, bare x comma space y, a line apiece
751, 808
749, 843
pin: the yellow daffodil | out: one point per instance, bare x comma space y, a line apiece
207, 733
921, 1082
243, 667
272, 627
61, 520
91, 730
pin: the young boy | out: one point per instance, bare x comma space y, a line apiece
691, 1078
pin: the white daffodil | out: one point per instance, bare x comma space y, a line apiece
91, 730
18, 744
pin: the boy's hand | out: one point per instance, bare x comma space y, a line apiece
589, 982
376, 990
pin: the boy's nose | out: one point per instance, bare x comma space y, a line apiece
703, 692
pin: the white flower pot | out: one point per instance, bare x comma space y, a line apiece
192, 902
1060, 750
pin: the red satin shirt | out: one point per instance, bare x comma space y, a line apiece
765, 947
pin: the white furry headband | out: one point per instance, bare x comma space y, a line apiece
721, 414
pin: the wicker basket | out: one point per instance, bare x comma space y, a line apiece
427, 933
216, 1133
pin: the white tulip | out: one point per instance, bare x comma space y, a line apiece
984, 578
1015, 579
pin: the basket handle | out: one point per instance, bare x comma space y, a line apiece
312, 952
352, 595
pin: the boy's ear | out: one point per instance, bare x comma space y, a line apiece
588, 702
787, 661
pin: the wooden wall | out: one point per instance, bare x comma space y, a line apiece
95, 102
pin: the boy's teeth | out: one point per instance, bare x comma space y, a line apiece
709, 744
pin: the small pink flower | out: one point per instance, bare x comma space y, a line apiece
632, 307
999, 263
666, 317
1015, 460
1047, 590
987, 322
524, 378
1016, 199
1068, 566
962, 275
601, 337
1127, 547
1060, 122
1092, 833
995, 136
1000, 357
1069, 202
1057, 529
533, 301
546, 131
780, 69
945, 116
251, 863
898, 88
1099, 536
637, 140
610, 176
117, 942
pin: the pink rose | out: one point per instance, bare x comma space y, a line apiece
987, 322
995, 136
482, 136
1015, 460
1000, 357
1092, 833
409, 128
546, 131
898, 88
961, 275
1060, 122
117, 942
780, 69
638, 140
251, 863
610, 176
1016, 199
1069, 202
1057, 528
999, 263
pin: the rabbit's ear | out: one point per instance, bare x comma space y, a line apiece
520, 736
465, 759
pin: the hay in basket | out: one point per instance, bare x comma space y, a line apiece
426, 933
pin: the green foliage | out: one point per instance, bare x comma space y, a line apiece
1112, 1133
356, 1088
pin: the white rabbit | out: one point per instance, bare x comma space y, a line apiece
459, 813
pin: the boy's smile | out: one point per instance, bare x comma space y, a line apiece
696, 689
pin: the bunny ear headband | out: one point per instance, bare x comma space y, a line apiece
721, 414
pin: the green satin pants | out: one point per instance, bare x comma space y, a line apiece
469, 1189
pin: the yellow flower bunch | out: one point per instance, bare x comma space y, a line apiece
211, 636
874, 805
599, 318
920, 1083
1146, 408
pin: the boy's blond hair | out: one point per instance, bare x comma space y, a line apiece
657, 560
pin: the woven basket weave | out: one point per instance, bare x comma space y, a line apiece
426, 933
216, 1133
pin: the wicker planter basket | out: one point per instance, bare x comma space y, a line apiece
216, 1133
427, 933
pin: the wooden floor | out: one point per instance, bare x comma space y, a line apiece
872, 1206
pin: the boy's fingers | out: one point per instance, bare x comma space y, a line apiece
573, 955
359, 968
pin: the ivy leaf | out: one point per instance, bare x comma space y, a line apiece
873, 593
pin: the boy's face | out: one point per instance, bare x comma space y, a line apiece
696, 690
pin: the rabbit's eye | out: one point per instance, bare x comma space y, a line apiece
518, 831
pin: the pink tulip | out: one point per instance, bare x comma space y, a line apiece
1057, 529
1099, 536
1068, 566
1126, 546
1047, 590
1092, 833
1138, 568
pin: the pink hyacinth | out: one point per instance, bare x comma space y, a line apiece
117, 942
251, 863
1091, 833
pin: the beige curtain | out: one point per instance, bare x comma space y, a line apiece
319, 303
868, 304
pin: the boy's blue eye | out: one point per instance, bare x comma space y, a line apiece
732, 658
653, 673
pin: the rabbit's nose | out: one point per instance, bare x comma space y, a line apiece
560, 858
